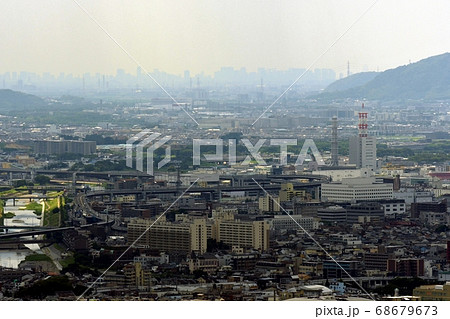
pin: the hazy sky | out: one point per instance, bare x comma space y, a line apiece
173, 36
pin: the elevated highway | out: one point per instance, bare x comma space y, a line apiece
52, 230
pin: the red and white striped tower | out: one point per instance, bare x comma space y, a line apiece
362, 126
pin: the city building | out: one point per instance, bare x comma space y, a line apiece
269, 203
63, 146
332, 269
244, 234
436, 206
375, 261
393, 208
287, 193
363, 152
433, 292
182, 237
409, 267
365, 212
356, 189
434, 218
332, 214
363, 148
412, 195
208, 263
292, 222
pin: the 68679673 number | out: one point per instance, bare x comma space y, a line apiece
406, 310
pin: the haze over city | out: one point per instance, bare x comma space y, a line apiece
57, 36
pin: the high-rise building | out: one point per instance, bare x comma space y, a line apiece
363, 148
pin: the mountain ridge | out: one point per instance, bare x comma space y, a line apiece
427, 79
10, 99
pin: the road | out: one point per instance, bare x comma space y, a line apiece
54, 254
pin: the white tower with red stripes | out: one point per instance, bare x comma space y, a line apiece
362, 126
363, 148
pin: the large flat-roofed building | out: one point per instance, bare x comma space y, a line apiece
410, 267
293, 222
365, 212
375, 261
356, 189
182, 237
332, 269
394, 207
332, 214
63, 146
244, 234
433, 292
437, 207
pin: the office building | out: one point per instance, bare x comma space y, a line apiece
365, 212
332, 214
356, 189
293, 222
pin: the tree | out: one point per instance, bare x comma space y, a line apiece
42, 179
20, 183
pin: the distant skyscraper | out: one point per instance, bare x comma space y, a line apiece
363, 148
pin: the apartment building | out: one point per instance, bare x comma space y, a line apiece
293, 222
244, 234
183, 237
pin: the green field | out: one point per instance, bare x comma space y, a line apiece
52, 214
34, 206
37, 257
67, 261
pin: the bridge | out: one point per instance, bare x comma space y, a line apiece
52, 230
26, 227
211, 193
105, 175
